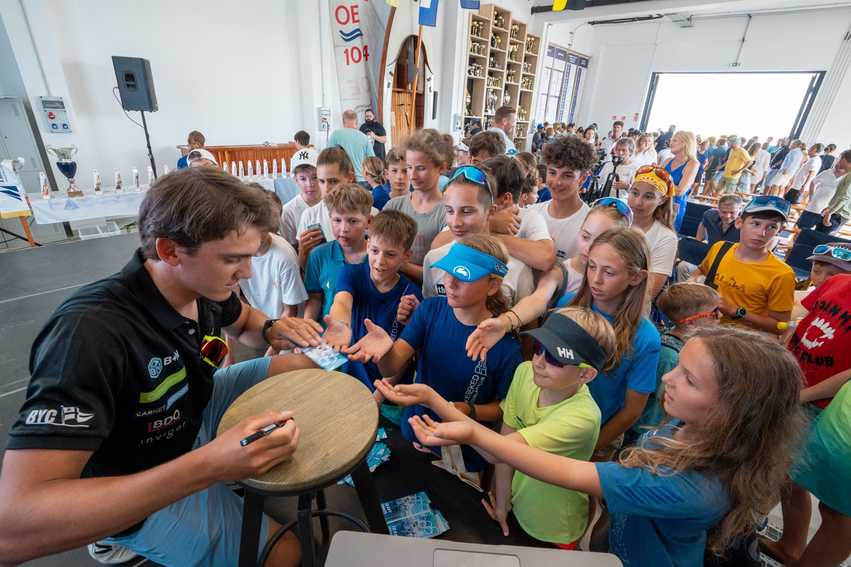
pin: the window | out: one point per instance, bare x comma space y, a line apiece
560, 85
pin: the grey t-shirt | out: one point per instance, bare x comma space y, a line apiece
428, 224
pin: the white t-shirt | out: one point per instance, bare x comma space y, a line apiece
664, 155
532, 226
290, 215
562, 231
647, 157
517, 283
319, 214
574, 279
607, 144
662, 242
824, 186
275, 279
811, 166
763, 158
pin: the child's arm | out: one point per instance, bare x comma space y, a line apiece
537, 254
500, 496
767, 323
423, 395
313, 307
338, 333
546, 467
826, 388
289, 310
490, 331
625, 418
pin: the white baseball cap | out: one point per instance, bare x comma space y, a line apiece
200, 153
304, 156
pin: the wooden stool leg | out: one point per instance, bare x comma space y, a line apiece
252, 515
25, 224
323, 519
368, 497
305, 530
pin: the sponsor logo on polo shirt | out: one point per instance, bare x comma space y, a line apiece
65, 416
167, 421
156, 364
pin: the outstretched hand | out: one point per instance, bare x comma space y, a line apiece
405, 394
487, 334
338, 334
372, 346
434, 434
497, 514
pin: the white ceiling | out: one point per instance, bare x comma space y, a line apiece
697, 7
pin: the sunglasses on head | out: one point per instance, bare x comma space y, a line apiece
654, 169
778, 203
621, 207
214, 350
472, 174
838, 252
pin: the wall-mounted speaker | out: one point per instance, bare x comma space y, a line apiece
135, 83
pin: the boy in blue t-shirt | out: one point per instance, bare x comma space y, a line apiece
349, 207
372, 290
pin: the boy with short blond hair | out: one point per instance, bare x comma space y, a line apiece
349, 207
373, 290
396, 173
687, 305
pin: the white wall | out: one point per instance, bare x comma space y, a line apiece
227, 69
624, 56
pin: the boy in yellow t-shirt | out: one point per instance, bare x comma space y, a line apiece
757, 289
549, 407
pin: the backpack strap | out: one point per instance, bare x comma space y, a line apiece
710, 276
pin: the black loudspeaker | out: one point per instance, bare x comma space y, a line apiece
135, 83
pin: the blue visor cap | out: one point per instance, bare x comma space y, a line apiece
469, 265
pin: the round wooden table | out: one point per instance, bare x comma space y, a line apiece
337, 417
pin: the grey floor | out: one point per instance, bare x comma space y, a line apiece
33, 281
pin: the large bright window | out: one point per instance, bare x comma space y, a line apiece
561, 79
746, 104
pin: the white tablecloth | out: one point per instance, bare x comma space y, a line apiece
90, 206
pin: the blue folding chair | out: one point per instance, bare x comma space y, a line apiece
692, 250
692, 218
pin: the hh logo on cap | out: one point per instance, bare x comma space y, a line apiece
461, 271
565, 352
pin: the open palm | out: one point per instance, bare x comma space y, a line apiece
435, 434
372, 346
487, 334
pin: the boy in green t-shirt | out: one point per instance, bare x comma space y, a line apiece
549, 407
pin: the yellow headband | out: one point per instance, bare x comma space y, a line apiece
666, 189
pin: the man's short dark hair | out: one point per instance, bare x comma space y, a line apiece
503, 112
617, 123
302, 137
199, 204
489, 142
571, 152
507, 174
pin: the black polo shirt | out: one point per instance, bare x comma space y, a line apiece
117, 371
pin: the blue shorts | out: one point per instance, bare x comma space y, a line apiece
204, 528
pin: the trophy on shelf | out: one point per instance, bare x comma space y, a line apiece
67, 166
492, 99
468, 103
506, 99
492, 62
97, 182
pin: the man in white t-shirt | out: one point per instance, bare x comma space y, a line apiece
569, 161
607, 143
821, 191
800, 182
303, 168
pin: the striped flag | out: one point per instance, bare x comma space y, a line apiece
469, 4
428, 13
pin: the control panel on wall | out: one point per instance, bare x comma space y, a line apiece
55, 116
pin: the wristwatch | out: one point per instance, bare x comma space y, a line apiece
740, 313
472, 414
266, 326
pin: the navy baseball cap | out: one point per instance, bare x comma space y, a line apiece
469, 265
569, 343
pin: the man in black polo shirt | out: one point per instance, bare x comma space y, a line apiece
373, 128
117, 433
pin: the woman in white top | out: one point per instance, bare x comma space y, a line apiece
651, 200
645, 153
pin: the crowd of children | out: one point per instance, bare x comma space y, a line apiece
499, 315
631, 401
